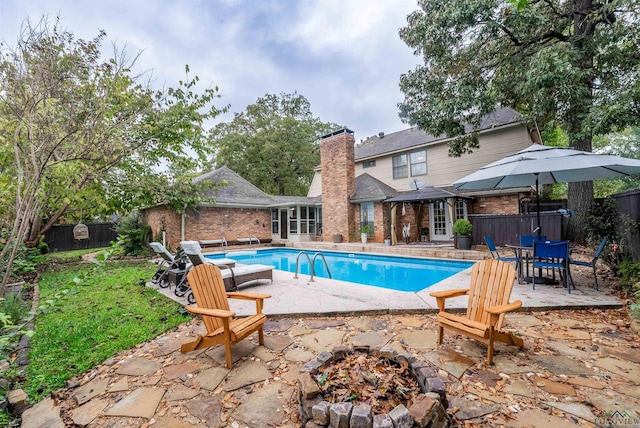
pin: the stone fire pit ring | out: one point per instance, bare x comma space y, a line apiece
427, 410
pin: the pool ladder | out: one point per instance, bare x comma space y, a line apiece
312, 263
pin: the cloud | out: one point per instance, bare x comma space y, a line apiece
344, 56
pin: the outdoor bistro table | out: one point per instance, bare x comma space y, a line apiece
520, 251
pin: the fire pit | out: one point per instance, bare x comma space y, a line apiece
363, 387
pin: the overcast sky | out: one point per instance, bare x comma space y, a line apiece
344, 56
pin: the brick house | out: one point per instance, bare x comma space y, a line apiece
386, 181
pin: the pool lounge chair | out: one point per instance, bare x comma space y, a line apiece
489, 294
167, 263
193, 250
213, 305
232, 275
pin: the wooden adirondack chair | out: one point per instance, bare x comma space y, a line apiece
207, 286
489, 293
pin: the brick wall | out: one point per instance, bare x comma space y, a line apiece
338, 184
211, 223
162, 218
507, 204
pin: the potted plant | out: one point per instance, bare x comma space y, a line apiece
365, 230
463, 227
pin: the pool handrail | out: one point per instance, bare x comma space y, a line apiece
313, 265
295, 276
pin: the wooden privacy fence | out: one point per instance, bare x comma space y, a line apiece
507, 228
629, 204
61, 238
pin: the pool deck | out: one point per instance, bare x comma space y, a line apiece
326, 297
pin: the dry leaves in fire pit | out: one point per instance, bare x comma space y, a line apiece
368, 379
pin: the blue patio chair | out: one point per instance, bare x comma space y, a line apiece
527, 241
552, 255
496, 255
592, 263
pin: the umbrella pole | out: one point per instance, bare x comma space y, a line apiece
538, 207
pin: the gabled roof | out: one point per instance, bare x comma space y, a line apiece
238, 191
412, 137
370, 189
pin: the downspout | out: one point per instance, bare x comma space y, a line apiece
183, 221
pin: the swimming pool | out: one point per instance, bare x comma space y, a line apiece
393, 272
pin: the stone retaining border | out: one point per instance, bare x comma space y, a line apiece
428, 410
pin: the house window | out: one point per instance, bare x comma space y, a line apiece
418, 163
274, 222
369, 164
461, 209
312, 220
400, 169
304, 225
366, 215
293, 220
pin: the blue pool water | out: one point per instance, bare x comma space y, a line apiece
396, 273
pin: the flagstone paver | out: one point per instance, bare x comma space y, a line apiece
510, 365
263, 353
588, 382
252, 372
567, 350
138, 367
171, 422
266, 408
211, 378
519, 387
175, 371
141, 403
181, 392
90, 390
410, 321
622, 368
372, 339
278, 326
206, 409
449, 361
299, 355
323, 340
367, 324
560, 365
86, 413
420, 339
522, 320
552, 387
43, 414
579, 410
277, 343
120, 385
469, 409
538, 418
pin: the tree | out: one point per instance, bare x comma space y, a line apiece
273, 143
75, 127
569, 63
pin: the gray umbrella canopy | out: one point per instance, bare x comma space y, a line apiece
548, 165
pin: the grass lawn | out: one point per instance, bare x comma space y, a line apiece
70, 256
109, 313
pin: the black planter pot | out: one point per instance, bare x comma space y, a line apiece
464, 242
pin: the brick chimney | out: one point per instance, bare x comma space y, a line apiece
338, 184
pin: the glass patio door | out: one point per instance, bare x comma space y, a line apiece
439, 221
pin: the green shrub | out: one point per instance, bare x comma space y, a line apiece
136, 234
463, 227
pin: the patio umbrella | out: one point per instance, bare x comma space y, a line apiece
539, 164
